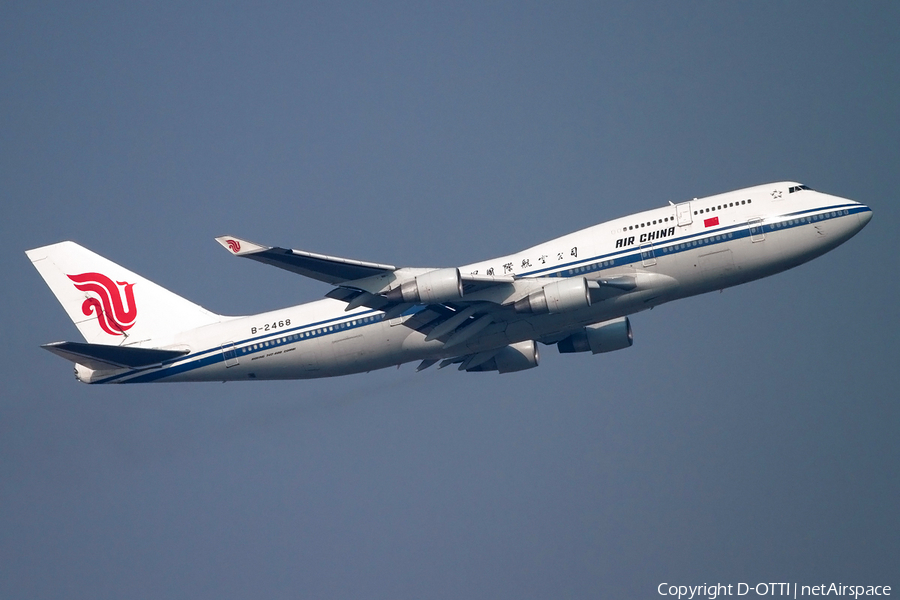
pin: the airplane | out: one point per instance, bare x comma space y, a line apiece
575, 292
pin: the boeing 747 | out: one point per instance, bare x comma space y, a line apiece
574, 292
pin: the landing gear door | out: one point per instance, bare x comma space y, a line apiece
683, 214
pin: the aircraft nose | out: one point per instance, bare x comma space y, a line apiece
864, 217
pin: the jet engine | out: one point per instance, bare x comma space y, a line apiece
559, 296
434, 287
515, 357
601, 337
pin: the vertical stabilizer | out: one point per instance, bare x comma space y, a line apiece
110, 304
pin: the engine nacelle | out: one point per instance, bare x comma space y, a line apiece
434, 287
559, 296
602, 337
515, 357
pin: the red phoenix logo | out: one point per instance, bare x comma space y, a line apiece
234, 245
113, 316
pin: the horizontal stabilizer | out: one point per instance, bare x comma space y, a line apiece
329, 269
104, 357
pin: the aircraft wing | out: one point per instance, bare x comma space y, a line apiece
378, 286
446, 305
329, 269
332, 269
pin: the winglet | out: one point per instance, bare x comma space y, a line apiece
240, 247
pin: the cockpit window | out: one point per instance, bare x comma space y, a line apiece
797, 188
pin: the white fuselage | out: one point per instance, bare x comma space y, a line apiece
672, 252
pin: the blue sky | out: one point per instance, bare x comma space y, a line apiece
746, 436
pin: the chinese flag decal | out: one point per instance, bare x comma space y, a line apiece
711, 222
